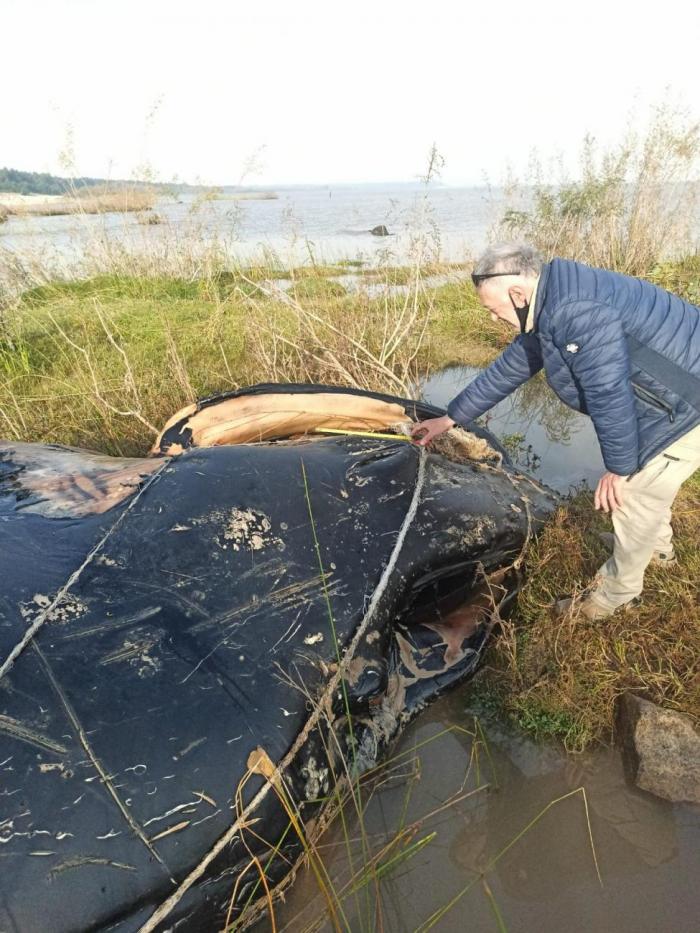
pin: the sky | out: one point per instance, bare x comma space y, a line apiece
321, 92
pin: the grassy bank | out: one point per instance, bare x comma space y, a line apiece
562, 678
103, 363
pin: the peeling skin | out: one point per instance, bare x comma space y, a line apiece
246, 528
457, 628
240, 529
353, 670
410, 658
63, 482
390, 712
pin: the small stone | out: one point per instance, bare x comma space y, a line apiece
661, 749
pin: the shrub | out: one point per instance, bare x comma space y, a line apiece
634, 205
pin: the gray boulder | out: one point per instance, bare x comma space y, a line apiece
380, 230
661, 749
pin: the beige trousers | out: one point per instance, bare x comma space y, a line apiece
643, 523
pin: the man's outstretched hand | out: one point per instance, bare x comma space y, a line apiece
423, 432
608, 492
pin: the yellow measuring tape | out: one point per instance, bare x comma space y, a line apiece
388, 437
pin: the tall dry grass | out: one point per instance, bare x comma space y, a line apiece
376, 344
103, 363
92, 200
633, 205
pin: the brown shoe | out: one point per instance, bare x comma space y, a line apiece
584, 606
587, 607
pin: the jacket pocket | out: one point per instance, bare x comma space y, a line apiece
646, 396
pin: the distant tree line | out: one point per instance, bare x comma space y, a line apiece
15, 182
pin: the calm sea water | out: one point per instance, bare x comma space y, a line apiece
326, 221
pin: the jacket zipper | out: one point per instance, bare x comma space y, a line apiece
654, 400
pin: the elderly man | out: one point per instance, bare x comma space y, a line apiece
620, 350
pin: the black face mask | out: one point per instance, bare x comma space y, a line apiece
522, 313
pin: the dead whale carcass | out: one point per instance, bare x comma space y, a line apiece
173, 626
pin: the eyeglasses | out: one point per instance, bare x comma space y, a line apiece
477, 279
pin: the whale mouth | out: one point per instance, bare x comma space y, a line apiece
437, 642
439, 639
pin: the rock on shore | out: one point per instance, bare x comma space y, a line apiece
661, 749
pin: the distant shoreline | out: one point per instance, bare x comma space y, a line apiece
85, 201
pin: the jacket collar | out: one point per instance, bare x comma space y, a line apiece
536, 307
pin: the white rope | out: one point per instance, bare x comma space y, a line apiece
313, 720
45, 613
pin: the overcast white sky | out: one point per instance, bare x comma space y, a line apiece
334, 92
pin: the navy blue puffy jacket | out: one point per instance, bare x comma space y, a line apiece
614, 347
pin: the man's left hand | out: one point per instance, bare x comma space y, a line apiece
608, 492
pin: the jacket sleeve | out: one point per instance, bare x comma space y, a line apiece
518, 362
592, 341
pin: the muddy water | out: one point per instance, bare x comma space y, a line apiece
631, 866
647, 851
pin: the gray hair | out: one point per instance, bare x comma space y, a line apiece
518, 258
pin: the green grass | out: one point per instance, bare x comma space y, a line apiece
73, 354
